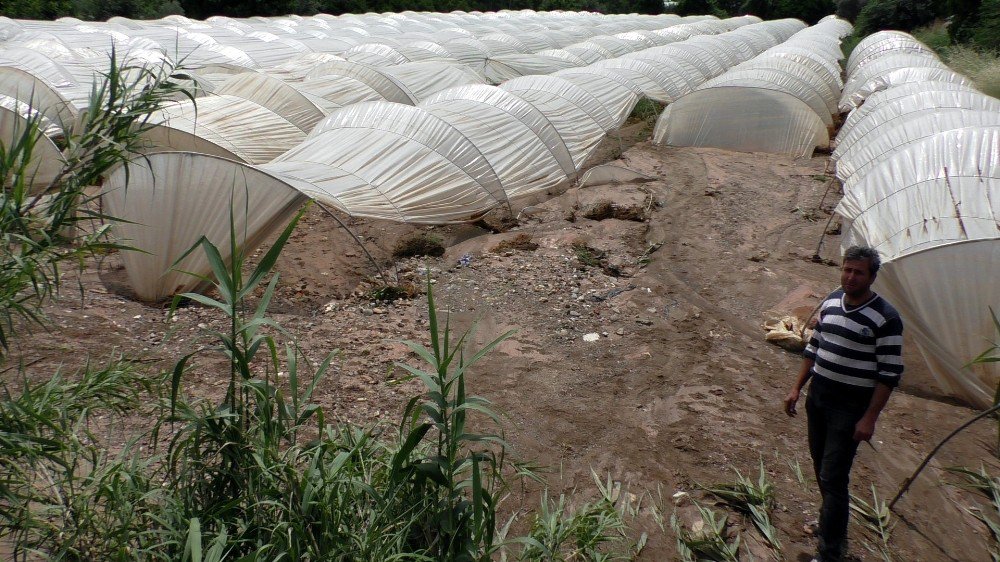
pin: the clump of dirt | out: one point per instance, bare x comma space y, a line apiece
418, 244
497, 221
605, 209
520, 242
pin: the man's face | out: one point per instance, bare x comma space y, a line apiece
856, 277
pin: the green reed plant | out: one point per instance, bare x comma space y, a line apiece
233, 462
61, 492
463, 473
35, 218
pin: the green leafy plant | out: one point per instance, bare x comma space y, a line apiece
876, 519
753, 499
592, 531
463, 471
61, 492
987, 486
707, 543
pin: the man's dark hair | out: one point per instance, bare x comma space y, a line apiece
857, 253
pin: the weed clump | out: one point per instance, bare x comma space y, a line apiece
520, 242
645, 110
391, 293
418, 244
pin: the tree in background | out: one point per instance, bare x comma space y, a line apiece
964, 18
849, 9
894, 14
809, 11
986, 33
700, 8
37, 9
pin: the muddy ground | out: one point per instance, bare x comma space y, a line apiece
678, 388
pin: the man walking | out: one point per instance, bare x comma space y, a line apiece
854, 361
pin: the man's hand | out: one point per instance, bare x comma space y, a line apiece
864, 429
790, 401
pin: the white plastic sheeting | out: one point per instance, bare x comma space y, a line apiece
616, 94
898, 135
765, 78
523, 148
742, 118
302, 110
226, 126
944, 294
575, 114
903, 108
656, 84
850, 100
358, 83
921, 164
436, 174
172, 199
896, 92
466, 149
541, 87
770, 103
46, 159
420, 80
881, 43
506, 67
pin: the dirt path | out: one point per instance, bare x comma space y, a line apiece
679, 387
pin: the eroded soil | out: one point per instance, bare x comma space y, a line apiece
679, 387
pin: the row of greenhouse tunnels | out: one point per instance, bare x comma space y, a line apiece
230, 127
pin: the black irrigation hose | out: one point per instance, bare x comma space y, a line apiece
816, 257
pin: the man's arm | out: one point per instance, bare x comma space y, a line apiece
865, 427
804, 373
889, 354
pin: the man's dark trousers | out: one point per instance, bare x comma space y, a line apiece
832, 446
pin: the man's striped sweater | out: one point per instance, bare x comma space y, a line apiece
857, 346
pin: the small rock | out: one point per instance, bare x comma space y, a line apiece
574, 313
620, 331
203, 326
593, 336
367, 311
378, 311
644, 321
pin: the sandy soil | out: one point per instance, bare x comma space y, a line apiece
680, 387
